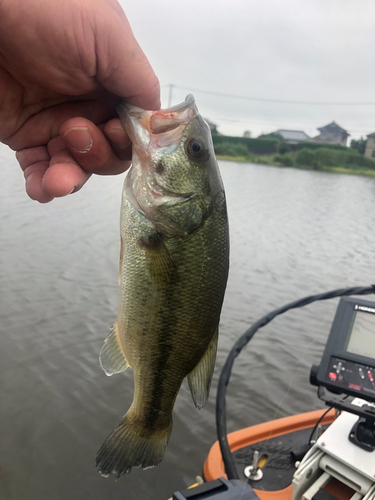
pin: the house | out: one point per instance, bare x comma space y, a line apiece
293, 137
331, 134
289, 137
370, 146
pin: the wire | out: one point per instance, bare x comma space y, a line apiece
269, 123
318, 422
221, 425
280, 101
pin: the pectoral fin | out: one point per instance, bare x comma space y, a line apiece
159, 261
199, 378
112, 358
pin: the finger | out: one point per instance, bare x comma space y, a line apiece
122, 67
63, 176
43, 126
34, 182
118, 138
27, 157
34, 162
51, 172
92, 150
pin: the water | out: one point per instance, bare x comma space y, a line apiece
293, 233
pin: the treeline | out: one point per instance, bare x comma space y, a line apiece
307, 155
263, 146
323, 157
255, 146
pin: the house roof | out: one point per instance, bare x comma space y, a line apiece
333, 128
371, 135
293, 135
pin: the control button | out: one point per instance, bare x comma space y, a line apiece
332, 376
339, 367
361, 374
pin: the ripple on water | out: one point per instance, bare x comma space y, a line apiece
293, 233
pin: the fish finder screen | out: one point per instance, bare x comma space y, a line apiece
362, 338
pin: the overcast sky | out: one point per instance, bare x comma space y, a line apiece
319, 51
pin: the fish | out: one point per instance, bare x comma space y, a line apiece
174, 263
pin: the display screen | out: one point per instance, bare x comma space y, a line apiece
362, 338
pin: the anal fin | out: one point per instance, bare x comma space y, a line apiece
112, 358
199, 378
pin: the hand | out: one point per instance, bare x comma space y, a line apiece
62, 67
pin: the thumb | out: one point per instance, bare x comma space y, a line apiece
122, 67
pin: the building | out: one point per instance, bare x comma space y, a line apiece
293, 137
289, 137
331, 134
370, 146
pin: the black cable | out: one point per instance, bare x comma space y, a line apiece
318, 422
300, 452
221, 425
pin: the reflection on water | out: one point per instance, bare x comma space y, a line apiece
293, 233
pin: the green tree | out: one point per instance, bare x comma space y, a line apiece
359, 145
272, 135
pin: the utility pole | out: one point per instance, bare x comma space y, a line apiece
170, 95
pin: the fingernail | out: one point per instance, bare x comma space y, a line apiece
119, 137
79, 138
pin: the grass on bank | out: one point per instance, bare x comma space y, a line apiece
345, 160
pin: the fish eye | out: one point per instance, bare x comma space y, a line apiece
196, 148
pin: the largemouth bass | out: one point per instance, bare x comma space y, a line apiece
173, 274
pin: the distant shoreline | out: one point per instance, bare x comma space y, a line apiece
269, 163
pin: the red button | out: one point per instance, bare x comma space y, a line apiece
332, 376
354, 386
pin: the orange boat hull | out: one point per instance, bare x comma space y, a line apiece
214, 466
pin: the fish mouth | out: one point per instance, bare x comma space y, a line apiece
189, 102
157, 128
177, 112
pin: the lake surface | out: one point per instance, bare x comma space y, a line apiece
293, 233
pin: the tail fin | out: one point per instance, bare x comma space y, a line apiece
130, 445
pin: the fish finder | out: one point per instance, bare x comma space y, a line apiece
347, 367
348, 362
